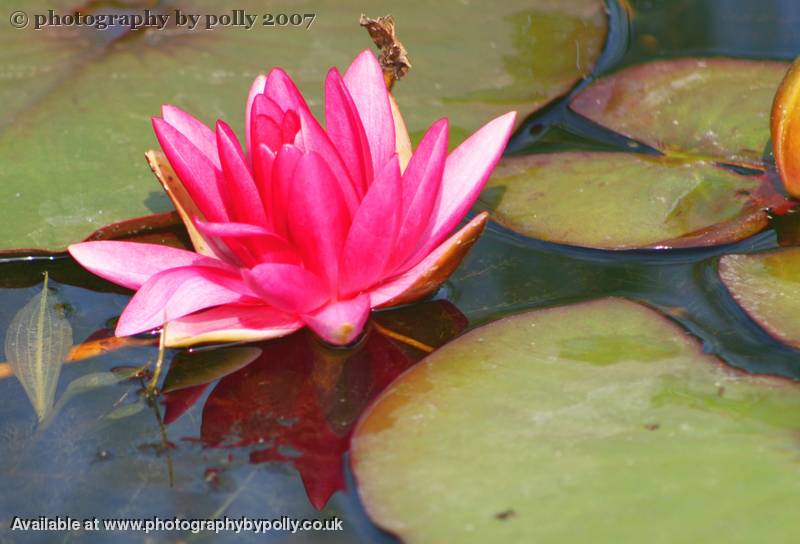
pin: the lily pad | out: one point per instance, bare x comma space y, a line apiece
78, 101
700, 114
767, 286
715, 108
621, 200
550, 426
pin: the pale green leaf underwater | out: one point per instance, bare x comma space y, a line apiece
37, 342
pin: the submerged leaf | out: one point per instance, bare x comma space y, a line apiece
86, 383
37, 342
126, 410
192, 368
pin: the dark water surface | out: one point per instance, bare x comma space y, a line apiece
270, 439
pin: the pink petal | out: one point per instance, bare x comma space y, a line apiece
283, 171
198, 175
371, 240
287, 287
364, 80
241, 195
435, 267
318, 217
231, 229
176, 292
256, 89
196, 132
421, 188
263, 162
230, 323
185, 206
465, 173
346, 131
341, 322
283, 91
290, 126
131, 264
252, 243
262, 105
265, 131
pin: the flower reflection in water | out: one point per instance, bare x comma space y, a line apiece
299, 400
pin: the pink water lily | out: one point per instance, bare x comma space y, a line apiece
309, 226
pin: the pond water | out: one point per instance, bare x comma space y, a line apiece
270, 439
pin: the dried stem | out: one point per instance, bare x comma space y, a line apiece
393, 55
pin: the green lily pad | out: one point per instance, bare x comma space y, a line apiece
767, 286
620, 200
550, 426
77, 101
700, 113
716, 108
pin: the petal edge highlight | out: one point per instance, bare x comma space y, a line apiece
427, 276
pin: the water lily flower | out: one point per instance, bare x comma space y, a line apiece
305, 226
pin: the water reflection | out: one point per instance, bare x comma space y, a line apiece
298, 402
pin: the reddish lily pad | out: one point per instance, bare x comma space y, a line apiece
714, 108
166, 229
551, 426
767, 286
622, 200
701, 114
77, 101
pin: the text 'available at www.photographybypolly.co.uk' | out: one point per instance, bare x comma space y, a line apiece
155, 524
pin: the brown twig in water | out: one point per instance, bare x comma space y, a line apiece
403, 338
